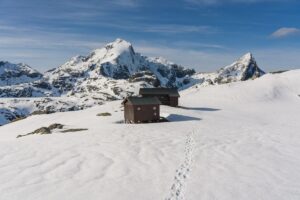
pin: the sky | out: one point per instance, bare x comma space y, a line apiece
201, 34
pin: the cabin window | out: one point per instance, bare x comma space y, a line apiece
154, 114
138, 108
154, 108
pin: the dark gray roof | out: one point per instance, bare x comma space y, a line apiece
159, 91
142, 100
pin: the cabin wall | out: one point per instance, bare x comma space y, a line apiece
174, 101
128, 113
144, 113
164, 99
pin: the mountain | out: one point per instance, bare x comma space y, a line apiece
14, 74
109, 73
243, 69
118, 61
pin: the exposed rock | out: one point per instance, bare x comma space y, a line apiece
105, 114
55, 126
44, 130
41, 131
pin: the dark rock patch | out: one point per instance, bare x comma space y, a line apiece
44, 130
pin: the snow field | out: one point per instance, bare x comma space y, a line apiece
233, 141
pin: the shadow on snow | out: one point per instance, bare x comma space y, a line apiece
199, 108
180, 118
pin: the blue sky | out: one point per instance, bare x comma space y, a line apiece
203, 34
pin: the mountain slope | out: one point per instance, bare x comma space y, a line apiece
13, 74
231, 141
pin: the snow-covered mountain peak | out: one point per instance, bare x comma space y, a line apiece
247, 56
118, 52
7, 66
246, 59
12, 74
243, 69
119, 45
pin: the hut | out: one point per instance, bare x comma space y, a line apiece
167, 96
141, 109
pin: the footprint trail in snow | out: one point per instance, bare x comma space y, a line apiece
179, 184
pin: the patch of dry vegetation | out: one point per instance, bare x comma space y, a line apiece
104, 114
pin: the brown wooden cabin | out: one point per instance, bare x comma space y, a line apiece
167, 96
141, 109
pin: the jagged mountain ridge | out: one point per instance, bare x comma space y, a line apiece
118, 60
106, 74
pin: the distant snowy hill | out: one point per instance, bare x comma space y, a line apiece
109, 73
13, 74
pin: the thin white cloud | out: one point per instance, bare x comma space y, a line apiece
217, 2
175, 28
198, 45
127, 3
161, 28
7, 28
285, 32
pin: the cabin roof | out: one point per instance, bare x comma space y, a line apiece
142, 101
160, 91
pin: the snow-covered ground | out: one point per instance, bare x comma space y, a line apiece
234, 141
